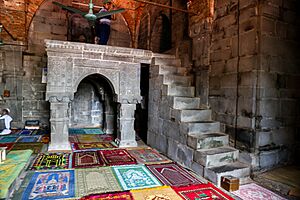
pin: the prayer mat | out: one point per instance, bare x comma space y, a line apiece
50, 185
93, 131
8, 146
253, 191
135, 177
73, 138
34, 146
148, 156
202, 191
8, 139
173, 175
110, 196
117, 157
89, 146
8, 173
106, 138
161, 193
76, 131
84, 159
95, 180
51, 161
18, 156
40, 132
25, 132
35, 138
85, 138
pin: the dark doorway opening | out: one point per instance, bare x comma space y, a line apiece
141, 113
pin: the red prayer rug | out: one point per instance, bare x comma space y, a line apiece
173, 175
89, 146
148, 156
51, 161
85, 159
253, 191
7, 145
202, 191
106, 138
109, 196
117, 157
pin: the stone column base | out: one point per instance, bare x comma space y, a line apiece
127, 143
59, 147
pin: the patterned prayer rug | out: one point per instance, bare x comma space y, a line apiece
73, 138
85, 138
93, 131
173, 175
35, 138
35, 147
8, 139
51, 161
161, 193
8, 146
25, 132
202, 191
89, 146
8, 173
110, 196
106, 138
253, 191
148, 156
135, 177
86, 159
76, 131
18, 156
117, 157
95, 180
50, 185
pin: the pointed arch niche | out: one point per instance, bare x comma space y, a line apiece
113, 72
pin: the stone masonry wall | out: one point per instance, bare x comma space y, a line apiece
252, 77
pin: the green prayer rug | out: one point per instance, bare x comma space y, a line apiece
35, 147
135, 177
51, 161
95, 180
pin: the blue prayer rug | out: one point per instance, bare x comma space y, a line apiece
135, 177
35, 138
8, 139
50, 185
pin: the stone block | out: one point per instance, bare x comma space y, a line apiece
228, 81
268, 159
284, 136
269, 107
268, 26
198, 169
271, 10
248, 63
217, 68
220, 55
248, 43
162, 143
216, 156
185, 155
249, 25
246, 14
231, 65
172, 149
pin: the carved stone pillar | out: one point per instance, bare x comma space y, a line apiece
59, 119
126, 132
109, 115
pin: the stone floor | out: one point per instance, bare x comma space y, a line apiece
284, 181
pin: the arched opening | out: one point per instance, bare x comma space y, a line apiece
161, 34
93, 105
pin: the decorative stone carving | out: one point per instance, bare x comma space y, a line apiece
69, 63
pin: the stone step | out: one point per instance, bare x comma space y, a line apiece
184, 102
206, 141
167, 61
201, 127
236, 169
191, 115
216, 156
180, 91
177, 80
166, 69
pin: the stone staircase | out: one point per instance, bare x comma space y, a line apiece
180, 127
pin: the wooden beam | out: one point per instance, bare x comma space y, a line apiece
165, 6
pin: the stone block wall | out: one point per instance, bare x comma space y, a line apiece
253, 68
